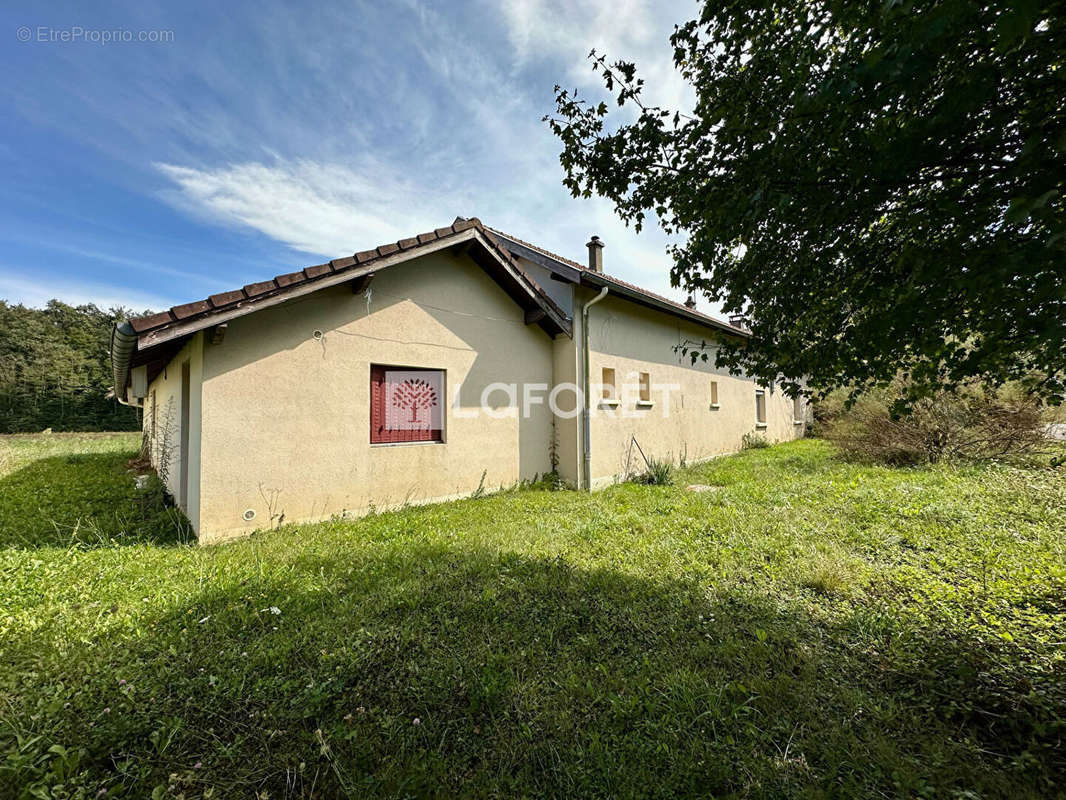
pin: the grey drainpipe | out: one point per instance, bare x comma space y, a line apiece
123, 343
586, 423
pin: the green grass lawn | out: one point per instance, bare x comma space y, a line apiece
75, 488
808, 627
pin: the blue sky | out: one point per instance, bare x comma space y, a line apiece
268, 136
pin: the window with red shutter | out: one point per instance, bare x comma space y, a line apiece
406, 405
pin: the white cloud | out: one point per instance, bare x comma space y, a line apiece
328, 150
470, 142
330, 210
36, 293
318, 208
564, 31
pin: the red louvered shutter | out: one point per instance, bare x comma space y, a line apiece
380, 430
377, 404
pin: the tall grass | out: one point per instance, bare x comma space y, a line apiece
660, 472
814, 627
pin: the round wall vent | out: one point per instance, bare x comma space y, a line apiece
249, 515
317, 334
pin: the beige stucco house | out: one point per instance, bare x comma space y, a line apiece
285, 400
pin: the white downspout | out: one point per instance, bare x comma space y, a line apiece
586, 423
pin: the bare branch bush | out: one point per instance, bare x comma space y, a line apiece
975, 422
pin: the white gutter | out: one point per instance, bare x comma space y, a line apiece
586, 423
123, 343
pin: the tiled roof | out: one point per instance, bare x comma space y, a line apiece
538, 248
680, 307
250, 294
280, 284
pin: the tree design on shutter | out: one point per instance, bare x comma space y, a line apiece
406, 405
415, 395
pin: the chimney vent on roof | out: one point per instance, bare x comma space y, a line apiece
739, 321
691, 303
595, 247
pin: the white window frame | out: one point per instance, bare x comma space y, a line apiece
608, 388
644, 390
760, 408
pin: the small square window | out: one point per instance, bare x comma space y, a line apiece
760, 407
645, 387
608, 387
714, 394
406, 405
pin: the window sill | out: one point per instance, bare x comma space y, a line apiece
608, 404
797, 422
645, 404
715, 406
760, 425
404, 444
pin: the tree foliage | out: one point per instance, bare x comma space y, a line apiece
55, 369
878, 187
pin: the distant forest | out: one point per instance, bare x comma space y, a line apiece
55, 369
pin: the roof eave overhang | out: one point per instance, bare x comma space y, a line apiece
598, 281
553, 322
571, 274
529, 295
584, 277
160, 342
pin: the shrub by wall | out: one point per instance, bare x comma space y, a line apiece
973, 423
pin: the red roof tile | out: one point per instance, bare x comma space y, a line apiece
539, 249
190, 309
289, 278
141, 324
226, 298
256, 289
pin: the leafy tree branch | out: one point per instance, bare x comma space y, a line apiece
878, 187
